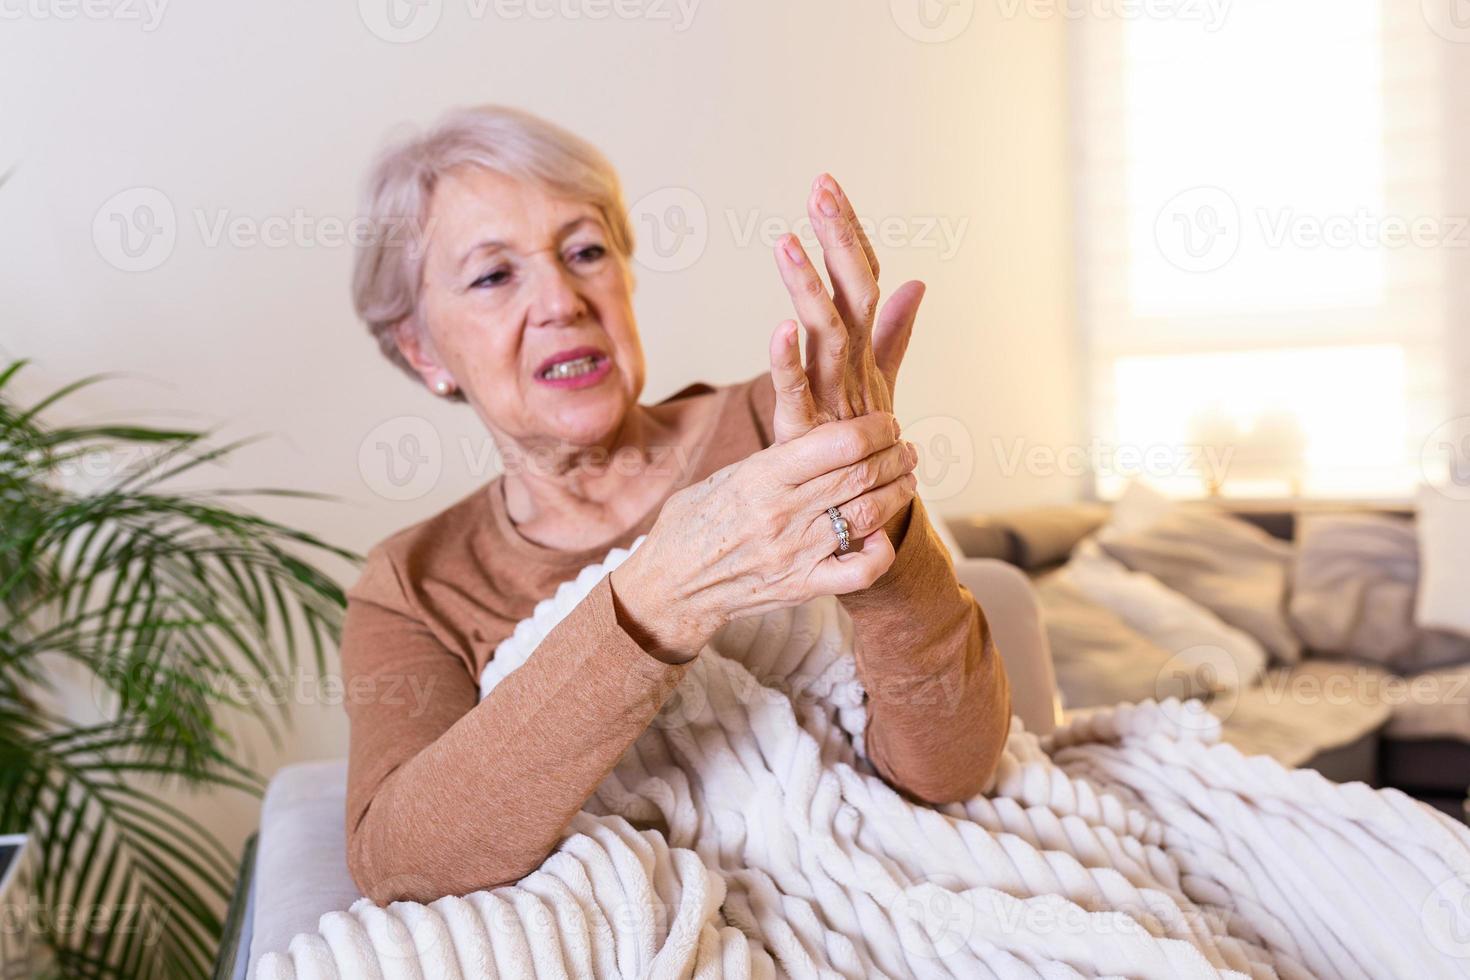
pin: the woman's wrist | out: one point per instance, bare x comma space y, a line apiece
659, 625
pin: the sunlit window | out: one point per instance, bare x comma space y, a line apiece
1247, 144
1277, 423
1261, 246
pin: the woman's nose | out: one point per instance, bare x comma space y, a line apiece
556, 300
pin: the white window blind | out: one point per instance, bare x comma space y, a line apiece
1262, 227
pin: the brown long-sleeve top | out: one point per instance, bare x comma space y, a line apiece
448, 794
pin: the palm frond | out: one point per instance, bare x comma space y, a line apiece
170, 601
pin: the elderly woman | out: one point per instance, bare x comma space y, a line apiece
517, 299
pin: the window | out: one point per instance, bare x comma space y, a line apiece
1261, 243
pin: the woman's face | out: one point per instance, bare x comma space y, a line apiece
517, 281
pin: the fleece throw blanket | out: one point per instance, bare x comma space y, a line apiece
744, 835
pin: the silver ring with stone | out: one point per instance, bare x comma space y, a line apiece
840, 528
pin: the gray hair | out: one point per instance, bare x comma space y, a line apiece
388, 268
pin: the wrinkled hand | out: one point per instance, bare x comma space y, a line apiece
755, 536
854, 348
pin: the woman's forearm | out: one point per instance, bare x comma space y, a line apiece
938, 697
483, 802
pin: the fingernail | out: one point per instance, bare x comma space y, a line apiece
913, 452
793, 250
897, 429
826, 203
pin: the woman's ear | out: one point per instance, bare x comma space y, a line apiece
418, 349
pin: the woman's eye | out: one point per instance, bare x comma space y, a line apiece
495, 278
589, 253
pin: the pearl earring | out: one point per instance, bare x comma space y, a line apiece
442, 387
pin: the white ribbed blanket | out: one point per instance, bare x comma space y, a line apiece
743, 835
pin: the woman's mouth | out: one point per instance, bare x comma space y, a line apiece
580, 368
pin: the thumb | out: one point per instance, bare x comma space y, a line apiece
795, 413
856, 570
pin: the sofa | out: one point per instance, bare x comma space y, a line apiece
1364, 738
295, 869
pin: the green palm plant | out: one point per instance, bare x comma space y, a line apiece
170, 603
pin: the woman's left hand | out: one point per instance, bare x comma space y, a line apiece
854, 347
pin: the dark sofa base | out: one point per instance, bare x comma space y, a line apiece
1355, 762
1433, 771
1428, 767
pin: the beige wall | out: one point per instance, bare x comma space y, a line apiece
1456, 124
247, 112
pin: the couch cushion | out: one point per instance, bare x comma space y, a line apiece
1099, 659
1353, 590
1044, 536
1353, 585
1010, 606
1232, 568
301, 865
1299, 712
1431, 705
981, 536
1444, 544
1206, 654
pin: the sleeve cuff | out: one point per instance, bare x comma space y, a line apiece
920, 560
606, 634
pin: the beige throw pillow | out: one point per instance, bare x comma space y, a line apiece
1234, 569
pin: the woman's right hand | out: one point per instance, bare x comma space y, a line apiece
755, 536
